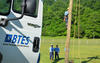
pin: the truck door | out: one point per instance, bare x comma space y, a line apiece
20, 30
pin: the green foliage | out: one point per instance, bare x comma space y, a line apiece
53, 24
4, 6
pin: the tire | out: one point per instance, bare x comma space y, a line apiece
0, 57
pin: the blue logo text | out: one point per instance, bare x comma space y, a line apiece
18, 39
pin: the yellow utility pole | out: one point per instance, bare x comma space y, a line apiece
68, 32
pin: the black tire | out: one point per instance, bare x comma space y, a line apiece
0, 57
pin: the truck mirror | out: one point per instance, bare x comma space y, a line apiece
9, 1
30, 6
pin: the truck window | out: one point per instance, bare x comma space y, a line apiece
5, 7
17, 8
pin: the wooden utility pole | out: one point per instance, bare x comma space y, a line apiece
68, 31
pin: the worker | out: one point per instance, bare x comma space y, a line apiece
51, 52
66, 16
57, 52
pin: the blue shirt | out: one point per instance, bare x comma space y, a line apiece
66, 13
51, 49
57, 50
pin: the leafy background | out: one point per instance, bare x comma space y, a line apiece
53, 24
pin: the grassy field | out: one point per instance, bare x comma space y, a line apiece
87, 52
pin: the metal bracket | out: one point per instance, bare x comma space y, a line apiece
3, 22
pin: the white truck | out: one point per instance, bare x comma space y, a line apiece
20, 30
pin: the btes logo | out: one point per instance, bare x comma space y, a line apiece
17, 39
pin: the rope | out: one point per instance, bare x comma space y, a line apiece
74, 30
79, 33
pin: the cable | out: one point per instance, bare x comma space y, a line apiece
79, 32
74, 29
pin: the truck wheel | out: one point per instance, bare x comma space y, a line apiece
0, 57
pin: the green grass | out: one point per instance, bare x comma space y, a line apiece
87, 52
